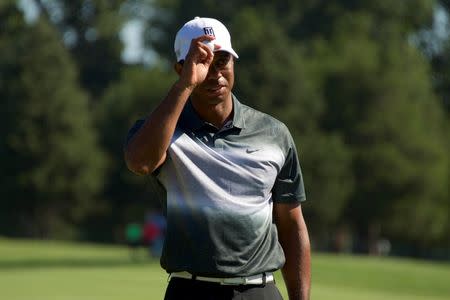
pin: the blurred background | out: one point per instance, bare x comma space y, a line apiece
364, 87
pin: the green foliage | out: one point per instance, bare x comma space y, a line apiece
380, 97
51, 165
90, 30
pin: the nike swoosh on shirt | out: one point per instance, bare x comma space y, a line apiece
251, 150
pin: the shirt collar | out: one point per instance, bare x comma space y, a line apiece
238, 116
189, 118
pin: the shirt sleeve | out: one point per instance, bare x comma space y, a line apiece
133, 130
289, 186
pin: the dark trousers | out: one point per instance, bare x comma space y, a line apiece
188, 289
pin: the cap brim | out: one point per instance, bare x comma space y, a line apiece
229, 50
182, 55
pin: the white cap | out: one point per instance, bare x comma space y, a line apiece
201, 26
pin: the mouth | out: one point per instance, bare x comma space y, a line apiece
218, 89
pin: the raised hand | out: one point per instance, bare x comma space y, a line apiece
198, 60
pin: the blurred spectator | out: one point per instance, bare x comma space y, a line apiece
133, 235
154, 233
343, 242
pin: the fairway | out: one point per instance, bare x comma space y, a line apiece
32, 270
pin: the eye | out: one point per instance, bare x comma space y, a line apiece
221, 62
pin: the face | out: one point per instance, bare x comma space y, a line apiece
219, 82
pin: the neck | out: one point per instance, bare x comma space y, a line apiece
214, 113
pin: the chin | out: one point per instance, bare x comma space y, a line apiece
214, 98
220, 98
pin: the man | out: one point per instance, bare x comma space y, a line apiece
232, 178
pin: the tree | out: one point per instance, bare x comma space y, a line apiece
434, 41
90, 30
52, 167
379, 95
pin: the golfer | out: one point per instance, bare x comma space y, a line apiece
232, 179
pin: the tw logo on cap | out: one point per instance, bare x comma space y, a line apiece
208, 31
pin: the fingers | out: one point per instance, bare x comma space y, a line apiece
198, 60
201, 49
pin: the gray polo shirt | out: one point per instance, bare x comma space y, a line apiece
221, 185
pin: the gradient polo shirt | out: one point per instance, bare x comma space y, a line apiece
220, 188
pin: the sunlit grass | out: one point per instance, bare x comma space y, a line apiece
35, 270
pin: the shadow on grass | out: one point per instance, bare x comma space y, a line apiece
73, 263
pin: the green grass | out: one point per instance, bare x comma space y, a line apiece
36, 270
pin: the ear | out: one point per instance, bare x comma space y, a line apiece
178, 68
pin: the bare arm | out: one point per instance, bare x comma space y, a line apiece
293, 237
147, 149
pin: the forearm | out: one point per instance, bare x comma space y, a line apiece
297, 269
293, 237
147, 149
